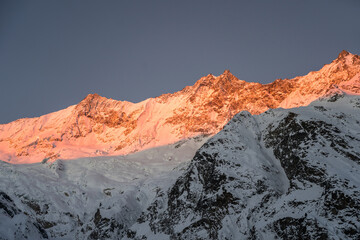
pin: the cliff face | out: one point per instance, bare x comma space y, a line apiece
101, 126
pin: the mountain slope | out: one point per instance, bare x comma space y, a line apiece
100, 126
288, 174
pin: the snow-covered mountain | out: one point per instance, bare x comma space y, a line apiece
283, 174
98, 126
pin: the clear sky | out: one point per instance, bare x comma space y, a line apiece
54, 53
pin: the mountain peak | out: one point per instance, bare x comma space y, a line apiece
92, 96
228, 76
90, 101
211, 80
226, 72
343, 54
347, 58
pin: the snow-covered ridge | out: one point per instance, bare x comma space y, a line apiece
98, 126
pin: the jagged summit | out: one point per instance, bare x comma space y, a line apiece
106, 126
228, 76
91, 97
216, 81
95, 98
226, 71
343, 54
95, 106
347, 58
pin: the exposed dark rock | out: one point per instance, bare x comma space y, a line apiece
299, 229
8, 205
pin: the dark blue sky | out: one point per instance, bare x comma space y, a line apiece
54, 53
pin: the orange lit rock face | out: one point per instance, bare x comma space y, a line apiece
101, 126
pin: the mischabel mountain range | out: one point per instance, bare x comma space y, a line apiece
98, 126
223, 159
